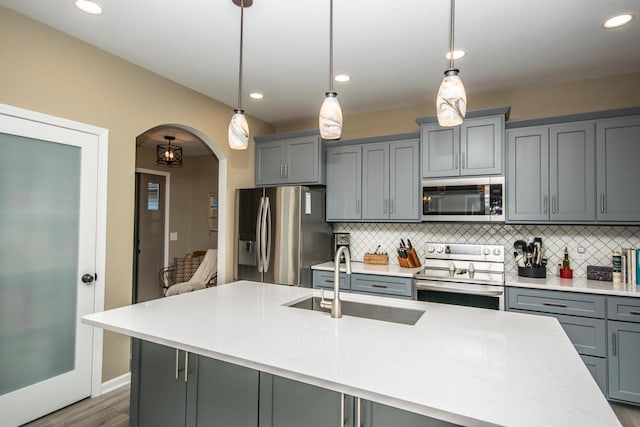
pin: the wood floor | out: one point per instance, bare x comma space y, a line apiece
112, 410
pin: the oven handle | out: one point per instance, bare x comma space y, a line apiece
444, 288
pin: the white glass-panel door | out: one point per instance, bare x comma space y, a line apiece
48, 195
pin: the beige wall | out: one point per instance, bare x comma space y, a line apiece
49, 72
526, 103
190, 186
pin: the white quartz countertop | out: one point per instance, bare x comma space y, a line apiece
468, 366
362, 268
577, 284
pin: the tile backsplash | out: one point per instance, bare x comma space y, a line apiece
598, 241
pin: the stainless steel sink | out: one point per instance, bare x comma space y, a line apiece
405, 316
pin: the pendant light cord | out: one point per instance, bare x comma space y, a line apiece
453, 7
240, 67
331, 46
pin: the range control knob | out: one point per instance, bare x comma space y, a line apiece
496, 251
486, 251
439, 249
430, 249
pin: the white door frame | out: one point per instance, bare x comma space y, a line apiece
167, 190
101, 223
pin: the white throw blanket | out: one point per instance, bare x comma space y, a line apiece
201, 277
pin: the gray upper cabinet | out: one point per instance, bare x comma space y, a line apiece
376, 181
344, 183
550, 173
618, 155
284, 160
473, 148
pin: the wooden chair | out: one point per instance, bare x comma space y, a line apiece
182, 270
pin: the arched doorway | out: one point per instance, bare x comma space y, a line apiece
176, 207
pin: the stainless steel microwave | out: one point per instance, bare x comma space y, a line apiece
464, 199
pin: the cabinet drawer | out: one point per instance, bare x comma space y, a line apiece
597, 366
625, 309
383, 285
588, 335
556, 302
324, 279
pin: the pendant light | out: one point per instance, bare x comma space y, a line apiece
330, 119
238, 126
167, 154
451, 103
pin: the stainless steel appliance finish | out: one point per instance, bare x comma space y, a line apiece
464, 199
281, 233
462, 274
339, 240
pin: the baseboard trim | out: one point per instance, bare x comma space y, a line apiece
116, 382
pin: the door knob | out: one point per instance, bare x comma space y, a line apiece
87, 278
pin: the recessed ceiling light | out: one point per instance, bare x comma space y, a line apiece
618, 21
256, 95
342, 78
457, 54
89, 7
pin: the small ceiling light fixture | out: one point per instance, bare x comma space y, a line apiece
618, 21
256, 95
167, 154
457, 54
451, 103
238, 126
342, 78
89, 7
330, 118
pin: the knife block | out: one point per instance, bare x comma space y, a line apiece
376, 259
411, 261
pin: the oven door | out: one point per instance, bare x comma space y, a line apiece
466, 294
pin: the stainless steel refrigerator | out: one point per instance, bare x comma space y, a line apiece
281, 233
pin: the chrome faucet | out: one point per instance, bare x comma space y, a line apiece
335, 304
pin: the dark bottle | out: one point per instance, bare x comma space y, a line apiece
565, 261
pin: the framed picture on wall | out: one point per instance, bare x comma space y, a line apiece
213, 212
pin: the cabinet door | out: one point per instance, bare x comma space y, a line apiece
222, 394
597, 367
344, 183
440, 148
285, 402
378, 415
270, 157
624, 369
404, 180
528, 174
158, 395
618, 158
481, 144
572, 185
302, 160
375, 181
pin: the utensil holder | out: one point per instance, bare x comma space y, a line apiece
534, 272
376, 259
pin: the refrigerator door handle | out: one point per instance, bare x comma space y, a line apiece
267, 237
258, 235
263, 235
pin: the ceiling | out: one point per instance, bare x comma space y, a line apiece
394, 50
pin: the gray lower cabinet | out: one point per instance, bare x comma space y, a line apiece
597, 367
213, 393
324, 279
378, 415
550, 173
392, 286
618, 151
344, 183
624, 368
284, 160
285, 402
473, 148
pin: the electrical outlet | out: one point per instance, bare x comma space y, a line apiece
581, 253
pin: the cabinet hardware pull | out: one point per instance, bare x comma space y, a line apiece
177, 370
391, 210
462, 160
635, 313
358, 412
456, 165
281, 171
554, 202
601, 202
341, 410
614, 344
554, 304
544, 203
186, 366
375, 285
286, 170
357, 206
384, 205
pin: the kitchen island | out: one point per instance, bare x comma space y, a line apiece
462, 365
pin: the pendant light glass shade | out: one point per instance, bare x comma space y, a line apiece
238, 131
451, 103
330, 117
